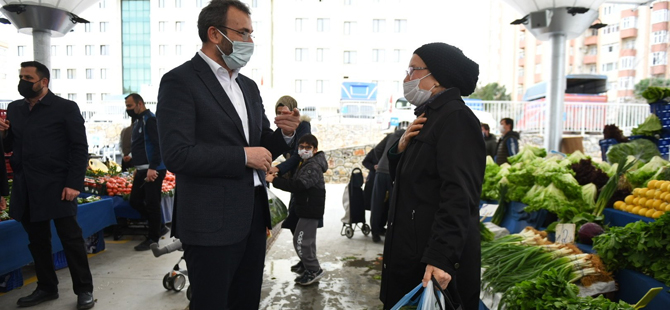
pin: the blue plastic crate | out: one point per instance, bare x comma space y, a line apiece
95, 243
60, 261
11, 280
605, 145
665, 122
516, 219
659, 107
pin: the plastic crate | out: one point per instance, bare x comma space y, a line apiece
659, 107
605, 145
60, 261
95, 242
11, 280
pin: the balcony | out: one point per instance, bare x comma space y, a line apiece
590, 59
591, 40
658, 70
522, 62
628, 33
522, 43
572, 60
628, 52
519, 80
659, 47
538, 78
538, 59
629, 13
624, 73
625, 93
662, 26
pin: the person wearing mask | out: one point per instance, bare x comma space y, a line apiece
145, 195
125, 143
438, 168
508, 145
383, 186
489, 141
50, 154
216, 139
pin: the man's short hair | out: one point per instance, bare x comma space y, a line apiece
136, 98
216, 14
309, 139
42, 70
486, 127
509, 122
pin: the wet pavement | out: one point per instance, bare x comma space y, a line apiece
129, 280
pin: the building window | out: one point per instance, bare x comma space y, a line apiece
594, 32
254, 3
71, 74
104, 50
348, 2
89, 98
104, 96
200, 3
298, 85
378, 25
629, 44
593, 69
301, 54
349, 57
627, 63
538, 50
400, 25
179, 26
177, 3
607, 10
629, 22
320, 54
177, 50
55, 74
349, 27
520, 72
87, 27
89, 74
320, 86
102, 4
68, 50
659, 16
611, 29
161, 50
607, 67
161, 4
103, 74
659, 37
627, 82
88, 50
538, 68
612, 85
378, 55
103, 26
72, 97
323, 25
522, 36
300, 23
161, 26
522, 53
21, 50
611, 48
54, 50
593, 50
659, 58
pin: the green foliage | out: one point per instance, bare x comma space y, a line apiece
641, 86
491, 179
491, 91
642, 149
638, 177
650, 127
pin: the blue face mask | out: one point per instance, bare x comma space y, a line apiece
241, 54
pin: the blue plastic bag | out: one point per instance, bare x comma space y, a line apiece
407, 299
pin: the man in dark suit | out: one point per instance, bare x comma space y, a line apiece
215, 137
48, 137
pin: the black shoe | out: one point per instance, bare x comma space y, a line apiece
36, 298
298, 268
85, 301
164, 230
310, 277
376, 238
145, 245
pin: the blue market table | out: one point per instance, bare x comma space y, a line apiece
14, 253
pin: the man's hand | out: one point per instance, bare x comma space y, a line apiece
259, 158
269, 177
127, 158
4, 125
442, 277
288, 122
152, 175
376, 167
3, 203
411, 132
273, 170
69, 194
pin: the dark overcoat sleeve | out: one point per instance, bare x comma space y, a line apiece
78, 155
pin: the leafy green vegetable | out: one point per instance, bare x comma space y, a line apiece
526, 154
639, 177
642, 149
487, 235
654, 94
491, 179
650, 126
589, 193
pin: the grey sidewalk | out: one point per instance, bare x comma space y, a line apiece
129, 280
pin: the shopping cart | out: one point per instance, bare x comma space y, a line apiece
353, 202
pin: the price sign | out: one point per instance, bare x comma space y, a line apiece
487, 210
565, 233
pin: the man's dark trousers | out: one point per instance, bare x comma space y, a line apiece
380, 212
241, 265
146, 198
69, 232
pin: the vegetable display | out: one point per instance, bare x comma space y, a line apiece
653, 201
655, 94
650, 127
491, 179
642, 149
640, 246
122, 185
613, 132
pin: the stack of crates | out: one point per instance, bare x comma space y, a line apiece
662, 110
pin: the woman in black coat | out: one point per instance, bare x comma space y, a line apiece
438, 167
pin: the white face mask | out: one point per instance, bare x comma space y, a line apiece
241, 54
414, 94
502, 129
305, 154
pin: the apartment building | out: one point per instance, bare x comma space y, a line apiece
631, 47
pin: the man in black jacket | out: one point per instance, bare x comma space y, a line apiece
508, 145
48, 137
489, 141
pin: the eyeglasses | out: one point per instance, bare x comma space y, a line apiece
411, 70
245, 34
307, 148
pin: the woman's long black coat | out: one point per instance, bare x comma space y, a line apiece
434, 211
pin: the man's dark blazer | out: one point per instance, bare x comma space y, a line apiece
50, 153
202, 141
